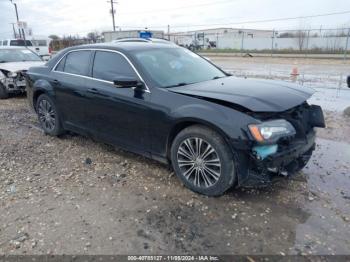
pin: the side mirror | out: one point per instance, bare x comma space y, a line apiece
348, 81
128, 83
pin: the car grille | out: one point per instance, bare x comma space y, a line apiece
21, 75
299, 117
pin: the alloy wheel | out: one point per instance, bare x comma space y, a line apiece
199, 163
47, 115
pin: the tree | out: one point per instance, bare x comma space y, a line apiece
93, 36
286, 35
301, 36
54, 37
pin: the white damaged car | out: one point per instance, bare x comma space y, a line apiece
14, 62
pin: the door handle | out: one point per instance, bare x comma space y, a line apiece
56, 82
93, 91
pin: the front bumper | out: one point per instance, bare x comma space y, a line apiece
287, 161
13, 85
297, 149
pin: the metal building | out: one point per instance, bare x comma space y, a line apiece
114, 35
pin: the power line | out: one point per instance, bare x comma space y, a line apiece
251, 21
177, 8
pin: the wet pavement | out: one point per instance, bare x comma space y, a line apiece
329, 73
73, 195
327, 229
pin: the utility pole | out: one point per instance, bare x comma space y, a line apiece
346, 44
14, 30
273, 41
307, 42
242, 43
168, 32
112, 11
24, 38
19, 30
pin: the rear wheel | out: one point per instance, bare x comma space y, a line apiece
203, 161
3, 92
48, 116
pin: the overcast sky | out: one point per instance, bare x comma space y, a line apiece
64, 17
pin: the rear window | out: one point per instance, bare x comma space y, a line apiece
39, 42
20, 43
77, 62
60, 66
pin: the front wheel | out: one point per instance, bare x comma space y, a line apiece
203, 161
3, 92
48, 116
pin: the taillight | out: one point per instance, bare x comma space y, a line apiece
50, 50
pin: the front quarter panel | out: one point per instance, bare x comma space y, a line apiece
37, 82
229, 122
172, 109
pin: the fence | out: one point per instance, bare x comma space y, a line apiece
309, 41
59, 44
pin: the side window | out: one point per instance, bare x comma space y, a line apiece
110, 66
5, 42
77, 63
20, 42
60, 66
39, 42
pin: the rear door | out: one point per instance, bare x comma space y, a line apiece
120, 115
42, 47
69, 82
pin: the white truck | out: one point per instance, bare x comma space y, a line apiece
39, 46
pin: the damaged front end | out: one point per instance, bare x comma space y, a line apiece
283, 143
13, 82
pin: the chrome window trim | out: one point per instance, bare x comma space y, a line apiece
147, 90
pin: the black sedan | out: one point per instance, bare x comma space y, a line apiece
170, 104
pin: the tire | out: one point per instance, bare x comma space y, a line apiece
48, 116
212, 174
3, 92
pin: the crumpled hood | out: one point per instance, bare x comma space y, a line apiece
19, 66
255, 95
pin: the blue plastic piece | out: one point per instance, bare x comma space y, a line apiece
264, 151
145, 34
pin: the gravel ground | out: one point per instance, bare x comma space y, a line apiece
72, 195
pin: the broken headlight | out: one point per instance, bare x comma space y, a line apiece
271, 131
2, 76
11, 74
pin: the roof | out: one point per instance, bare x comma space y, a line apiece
125, 46
133, 30
139, 39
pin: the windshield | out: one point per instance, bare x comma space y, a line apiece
17, 55
20, 42
176, 66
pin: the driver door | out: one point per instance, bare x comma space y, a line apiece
118, 115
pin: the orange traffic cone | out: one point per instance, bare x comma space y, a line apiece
294, 74
295, 71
